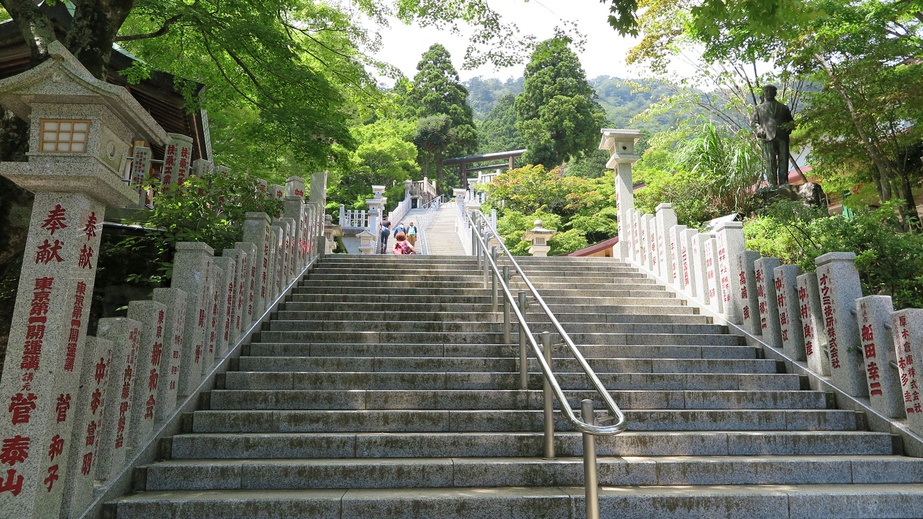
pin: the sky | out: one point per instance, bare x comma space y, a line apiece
604, 52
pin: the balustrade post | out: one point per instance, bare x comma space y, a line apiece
523, 357
590, 478
506, 306
548, 401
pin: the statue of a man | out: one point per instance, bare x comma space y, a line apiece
772, 121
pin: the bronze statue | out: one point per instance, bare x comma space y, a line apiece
772, 121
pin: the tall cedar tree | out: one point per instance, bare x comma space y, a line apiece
558, 115
440, 103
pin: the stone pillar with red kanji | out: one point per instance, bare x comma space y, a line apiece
291, 255
699, 261
273, 282
294, 187
764, 269
294, 208
80, 139
676, 256
88, 408
750, 309
715, 301
241, 273
648, 240
192, 271
177, 161
226, 304
258, 232
248, 283
907, 330
839, 287
636, 245
215, 280
664, 219
790, 327
174, 300
152, 316
885, 393
730, 243
687, 261
125, 335
812, 324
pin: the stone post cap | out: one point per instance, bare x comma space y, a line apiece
263, 217
830, 257
664, 206
194, 246
378, 191
729, 225
459, 192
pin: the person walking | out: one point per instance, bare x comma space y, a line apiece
384, 231
412, 234
401, 246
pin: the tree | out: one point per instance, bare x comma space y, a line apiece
497, 132
385, 156
558, 117
437, 91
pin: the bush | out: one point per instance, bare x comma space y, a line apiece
889, 259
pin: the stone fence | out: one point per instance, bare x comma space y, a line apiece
78, 412
819, 322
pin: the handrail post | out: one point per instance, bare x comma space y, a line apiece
493, 281
506, 307
486, 266
523, 358
590, 481
548, 441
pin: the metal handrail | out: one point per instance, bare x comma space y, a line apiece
579, 424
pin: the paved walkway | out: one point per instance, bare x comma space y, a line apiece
439, 233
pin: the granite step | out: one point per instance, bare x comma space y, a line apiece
523, 444
479, 420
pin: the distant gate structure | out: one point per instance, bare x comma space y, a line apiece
463, 163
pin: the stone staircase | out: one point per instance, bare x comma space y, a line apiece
383, 389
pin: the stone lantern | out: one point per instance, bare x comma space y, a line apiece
81, 130
331, 232
621, 147
539, 237
367, 242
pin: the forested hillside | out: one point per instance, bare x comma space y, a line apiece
622, 99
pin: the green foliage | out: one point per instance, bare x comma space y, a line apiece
439, 100
557, 113
582, 210
705, 173
887, 257
485, 93
208, 209
498, 131
385, 156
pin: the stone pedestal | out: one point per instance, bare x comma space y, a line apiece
688, 263
699, 267
248, 283
715, 301
648, 248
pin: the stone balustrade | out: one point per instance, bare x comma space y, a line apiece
817, 322
80, 412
